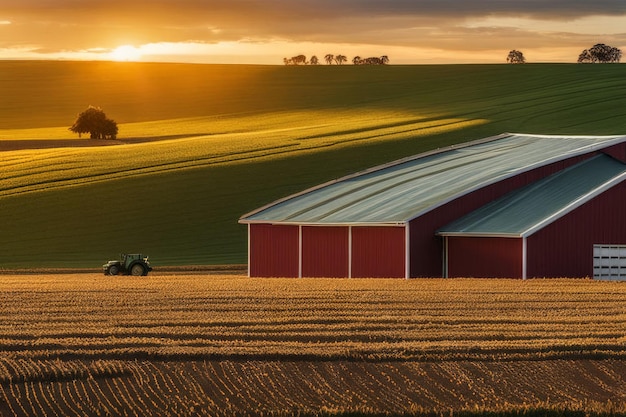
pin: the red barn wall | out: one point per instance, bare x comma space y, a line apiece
565, 248
426, 249
378, 252
617, 151
273, 250
325, 251
484, 257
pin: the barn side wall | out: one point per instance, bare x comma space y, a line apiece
484, 257
617, 151
378, 252
273, 251
426, 249
565, 248
325, 251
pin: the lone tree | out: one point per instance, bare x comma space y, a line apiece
516, 57
94, 121
600, 53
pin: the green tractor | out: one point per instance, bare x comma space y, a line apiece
129, 264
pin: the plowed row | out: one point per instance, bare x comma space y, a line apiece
221, 388
83, 344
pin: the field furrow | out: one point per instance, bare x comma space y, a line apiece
171, 345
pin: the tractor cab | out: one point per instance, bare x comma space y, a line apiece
134, 264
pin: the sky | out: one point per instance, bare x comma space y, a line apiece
265, 32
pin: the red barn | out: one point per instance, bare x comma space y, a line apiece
513, 205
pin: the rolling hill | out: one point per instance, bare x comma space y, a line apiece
200, 145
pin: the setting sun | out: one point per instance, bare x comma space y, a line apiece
126, 53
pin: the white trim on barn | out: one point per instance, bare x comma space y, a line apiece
524, 258
407, 251
309, 224
249, 252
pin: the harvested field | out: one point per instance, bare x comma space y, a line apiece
175, 344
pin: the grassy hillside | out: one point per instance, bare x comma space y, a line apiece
204, 144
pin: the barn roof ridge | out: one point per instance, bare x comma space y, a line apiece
424, 181
559, 193
587, 149
374, 169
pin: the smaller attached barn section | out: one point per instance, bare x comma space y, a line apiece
513, 205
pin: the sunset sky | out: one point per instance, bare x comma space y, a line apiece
263, 32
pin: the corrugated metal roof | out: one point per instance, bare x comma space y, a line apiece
522, 212
403, 190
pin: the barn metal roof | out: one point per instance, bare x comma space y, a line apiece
398, 192
526, 210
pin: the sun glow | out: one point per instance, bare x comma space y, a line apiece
126, 53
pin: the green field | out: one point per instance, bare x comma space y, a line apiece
200, 145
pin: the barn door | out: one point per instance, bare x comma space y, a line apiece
609, 262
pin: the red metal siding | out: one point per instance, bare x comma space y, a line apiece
426, 249
273, 250
565, 247
484, 257
378, 252
324, 251
617, 151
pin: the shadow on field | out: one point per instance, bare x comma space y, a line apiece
22, 144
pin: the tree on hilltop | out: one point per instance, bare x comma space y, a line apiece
600, 53
94, 121
516, 57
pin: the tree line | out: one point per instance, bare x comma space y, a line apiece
331, 59
598, 53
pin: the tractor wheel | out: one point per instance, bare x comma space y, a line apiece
114, 270
137, 270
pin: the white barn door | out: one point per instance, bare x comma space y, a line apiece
609, 262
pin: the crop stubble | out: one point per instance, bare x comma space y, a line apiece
84, 344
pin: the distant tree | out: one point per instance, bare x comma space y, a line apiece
295, 60
516, 57
340, 59
109, 129
373, 60
600, 53
357, 60
329, 58
94, 121
299, 59
314, 60
585, 57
